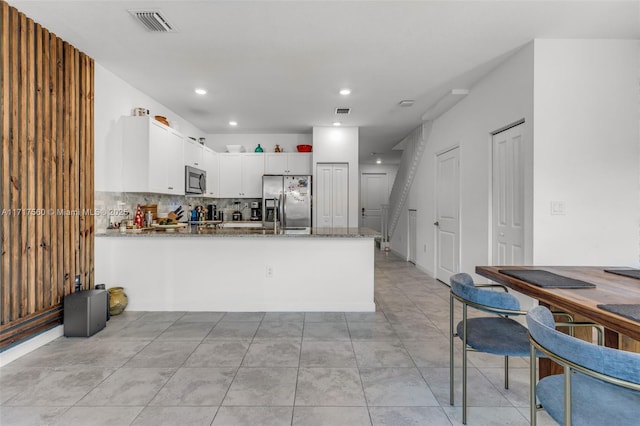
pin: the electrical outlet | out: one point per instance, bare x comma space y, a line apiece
268, 271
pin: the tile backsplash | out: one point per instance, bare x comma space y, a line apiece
117, 206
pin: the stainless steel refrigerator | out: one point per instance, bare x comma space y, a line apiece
287, 201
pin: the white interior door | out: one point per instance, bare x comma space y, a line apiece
447, 215
331, 198
508, 197
412, 236
340, 195
374, 191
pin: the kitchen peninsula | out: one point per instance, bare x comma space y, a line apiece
236, 269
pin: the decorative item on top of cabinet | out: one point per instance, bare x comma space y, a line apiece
258, 149
277, 148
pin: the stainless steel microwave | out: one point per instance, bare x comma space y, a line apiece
195, 180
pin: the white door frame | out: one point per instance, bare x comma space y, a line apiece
436, 253
412, 236
526, 151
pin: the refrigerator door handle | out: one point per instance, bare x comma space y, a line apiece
284, 210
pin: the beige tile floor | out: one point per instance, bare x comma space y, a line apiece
388, 367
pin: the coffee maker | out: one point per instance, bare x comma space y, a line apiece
256, 212
237, 214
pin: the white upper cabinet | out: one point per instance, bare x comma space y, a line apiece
152, 157
211, 166
193, 154
241, 175
278, 163
252, 171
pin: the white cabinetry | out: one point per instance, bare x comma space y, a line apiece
241, 175
287, 163
211, 166
152, 157
252, 171
193, 154
332, 195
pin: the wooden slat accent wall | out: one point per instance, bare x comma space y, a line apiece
46, 175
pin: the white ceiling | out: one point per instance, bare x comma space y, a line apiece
277, 66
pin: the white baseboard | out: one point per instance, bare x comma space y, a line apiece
34, 343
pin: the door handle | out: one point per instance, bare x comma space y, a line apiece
436, 223
363, 211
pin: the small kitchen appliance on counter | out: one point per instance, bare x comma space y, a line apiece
256, 213
211, 212
237, 214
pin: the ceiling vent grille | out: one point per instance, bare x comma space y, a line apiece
153, 21
343, 110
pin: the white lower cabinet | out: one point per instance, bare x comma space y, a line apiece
152, 156
332, 195
241, 175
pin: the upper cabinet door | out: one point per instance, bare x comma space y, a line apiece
287, 163
275, 163
299, 164
175, 163
211, 166
230, 170
193, 153
153, 159
252, 171
158, 158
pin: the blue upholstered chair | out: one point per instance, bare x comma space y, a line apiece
496, 334
600, 386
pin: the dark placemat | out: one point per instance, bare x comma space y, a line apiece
631, 311
545, 279
632, 273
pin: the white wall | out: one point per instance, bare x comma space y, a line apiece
268, 141
504, 96
340, 145
114, 98
586, 151
390, 169
582, 147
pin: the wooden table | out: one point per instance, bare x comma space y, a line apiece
610, 289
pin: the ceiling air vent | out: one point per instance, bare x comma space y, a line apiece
153, 21
343, 110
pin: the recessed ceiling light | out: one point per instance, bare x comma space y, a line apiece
337, 123
233, 123
378, 161
345, 92
201, 91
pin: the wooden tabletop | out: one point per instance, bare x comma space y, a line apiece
610, 289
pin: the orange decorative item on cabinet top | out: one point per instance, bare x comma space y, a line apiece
304, 148
162, 120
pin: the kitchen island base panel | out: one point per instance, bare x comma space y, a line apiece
247, 274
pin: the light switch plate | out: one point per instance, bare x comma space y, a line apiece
558, 208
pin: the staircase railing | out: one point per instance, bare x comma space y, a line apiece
414, 145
